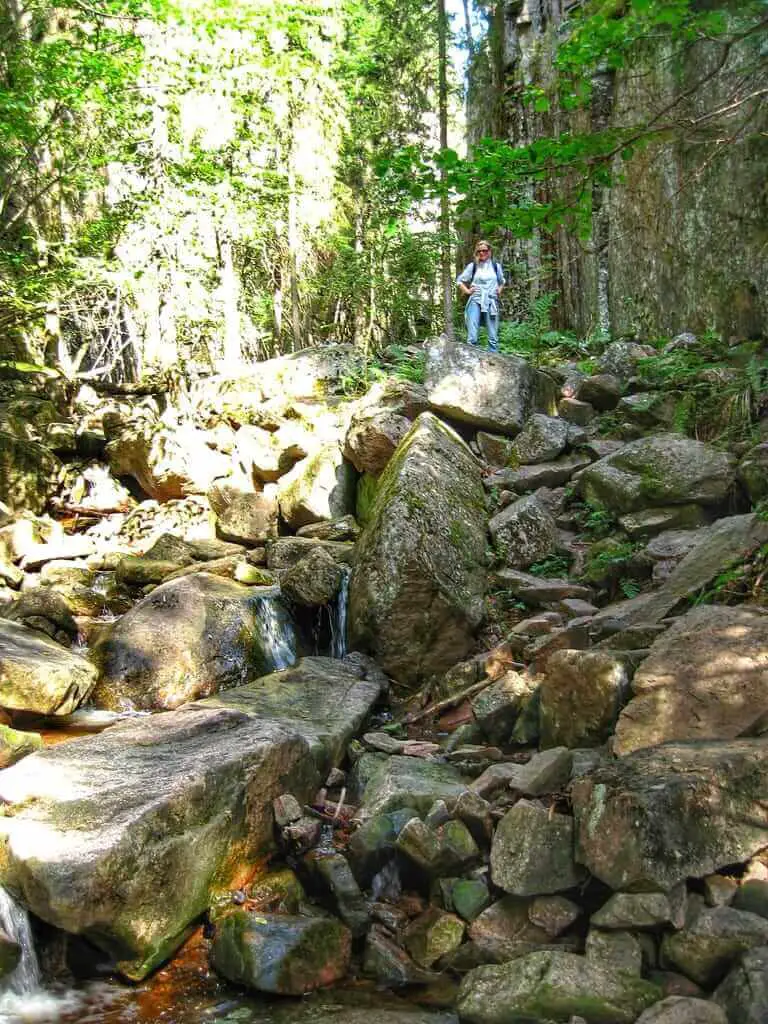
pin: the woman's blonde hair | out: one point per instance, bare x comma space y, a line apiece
486, 245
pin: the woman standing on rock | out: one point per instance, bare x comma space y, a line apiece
482, 281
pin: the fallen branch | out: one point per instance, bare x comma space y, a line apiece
457, 698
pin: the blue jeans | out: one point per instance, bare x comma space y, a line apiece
473, 317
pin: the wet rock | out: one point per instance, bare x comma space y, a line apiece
99, 826
664, 469
494, 392
415, 594
546, 985
432, 936
684, 1010
10, 954
744, 992
332, 876
469, 897
189, 638
505, 931
542, 438
278, 891
666, 792
320, 487
389, 964
532, 851
14, 745
286, 809
314, 581
580, 697
372, 845
523, 533
279, 953
705, 678
37, 674
642, 910
708, 947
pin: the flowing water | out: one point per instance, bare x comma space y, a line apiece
278, 637
338, 618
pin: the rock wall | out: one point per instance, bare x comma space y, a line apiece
679, 243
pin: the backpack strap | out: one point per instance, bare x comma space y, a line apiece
472, 275
496, 267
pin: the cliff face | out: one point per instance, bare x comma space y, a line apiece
680, 242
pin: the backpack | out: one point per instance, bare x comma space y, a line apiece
496, 267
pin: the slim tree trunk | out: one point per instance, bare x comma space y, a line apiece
446, 267
293, 250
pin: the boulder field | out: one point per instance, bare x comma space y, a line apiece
459, 688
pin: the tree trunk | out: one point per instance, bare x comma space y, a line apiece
446, 266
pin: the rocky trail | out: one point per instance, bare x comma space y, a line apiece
453, 689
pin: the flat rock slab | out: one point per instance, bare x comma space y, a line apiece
662, 814
125, 837
37, 674
705, 678
397, 782
473, 386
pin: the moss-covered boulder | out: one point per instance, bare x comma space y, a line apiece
189, 638
39, 675
127, 837
659, 815
28, 472
710, 945
665, 469
416, 590
279, 953
549, 986
15, 744
532, 851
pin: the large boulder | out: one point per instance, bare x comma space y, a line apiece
659, 815
532, 851
523, 532
28, 473
127, 837
166, 463
664, 469
705, 678
547, 986
416, 591
37, 674
189, 638
320, 487
744, 993
487, 390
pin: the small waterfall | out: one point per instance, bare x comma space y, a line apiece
338, 618
277, 633
14, 920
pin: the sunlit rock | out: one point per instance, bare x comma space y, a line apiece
664, 469
705, 678
37, 674
127, 837
649, 820
549, 985
489, 390
523, 532
189, 638
320, 487
417, 584
580, 696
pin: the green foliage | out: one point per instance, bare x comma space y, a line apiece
553, 565
745, 580
592, 519
721, 391
534, 339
